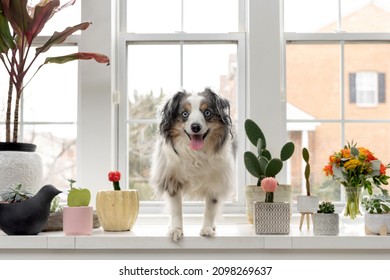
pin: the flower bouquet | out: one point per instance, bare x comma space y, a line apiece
356, 168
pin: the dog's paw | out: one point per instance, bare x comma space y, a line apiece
176, 234
207, 232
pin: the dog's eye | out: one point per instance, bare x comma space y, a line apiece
185, 114
207, 113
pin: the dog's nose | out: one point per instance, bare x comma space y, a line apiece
196, 127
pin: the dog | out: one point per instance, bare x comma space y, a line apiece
194, 156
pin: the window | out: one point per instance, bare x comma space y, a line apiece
330, 99
180, 50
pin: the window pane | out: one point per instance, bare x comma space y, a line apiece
141, 142
208, 16
51, 96
310, 15
153, 71
313, 81
153, 16
57, 146
200, 16
365, 15
321, 140
367, 58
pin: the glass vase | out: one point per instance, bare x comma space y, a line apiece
352, 197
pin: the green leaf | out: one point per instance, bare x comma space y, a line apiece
254, 132
307, 171
305, 155
273, 167
6, 39
252, 164
354, 151
101, 58
79, 197
263, 163
287, 151
265, 153
60, 37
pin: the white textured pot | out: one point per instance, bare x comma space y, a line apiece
272, 218
307, 204
20, 167
255, 193
326, 223
377, 223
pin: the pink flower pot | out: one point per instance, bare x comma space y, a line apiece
78, 220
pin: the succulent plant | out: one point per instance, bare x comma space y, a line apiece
376, 204
306, 157
326, 207
78, 197
15, 194
263, 165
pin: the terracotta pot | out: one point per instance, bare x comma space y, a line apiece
255, 193
117, 210
78, 220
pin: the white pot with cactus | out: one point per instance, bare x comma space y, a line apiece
264, 165
307, 203
271, 217
325, 221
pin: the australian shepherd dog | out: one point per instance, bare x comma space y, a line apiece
194, 156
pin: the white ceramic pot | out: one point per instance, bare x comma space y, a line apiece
326, 223
377, 223
20, 168
272, 218
255, 193
307, 204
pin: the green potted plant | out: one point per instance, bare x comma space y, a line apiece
78, 215
22, 213
21, 22
307, 204
377, 214
263, 165
271, 217
117, 209
326, 221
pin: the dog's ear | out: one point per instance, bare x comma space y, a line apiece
221, 106
170, 111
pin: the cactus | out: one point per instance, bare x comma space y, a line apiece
305, 156
326, 208
263, 165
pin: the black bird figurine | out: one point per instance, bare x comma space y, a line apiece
30, 216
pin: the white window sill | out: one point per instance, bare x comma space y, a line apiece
233, 233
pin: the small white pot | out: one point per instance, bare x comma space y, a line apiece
307, 204
377, 223
326, 223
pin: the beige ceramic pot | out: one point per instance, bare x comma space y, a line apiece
255, 194
117, 210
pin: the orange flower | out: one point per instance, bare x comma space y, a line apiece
382, 169
367, 153
345, 153
328, 170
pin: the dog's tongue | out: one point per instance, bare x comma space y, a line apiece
196, 142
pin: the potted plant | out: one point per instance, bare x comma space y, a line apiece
356, 168
377, 214
271, 217
117, 209
78, 215
325, 221
22, 213
306, 204
263, 165
21, 22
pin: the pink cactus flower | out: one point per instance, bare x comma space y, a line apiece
269, 184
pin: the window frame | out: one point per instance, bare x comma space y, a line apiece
125, 38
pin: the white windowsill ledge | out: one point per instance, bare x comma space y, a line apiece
147, 234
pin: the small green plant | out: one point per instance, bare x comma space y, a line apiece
326, 207
78, 197
376, 204
55, 205
306, 157
15, 194
263, 165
